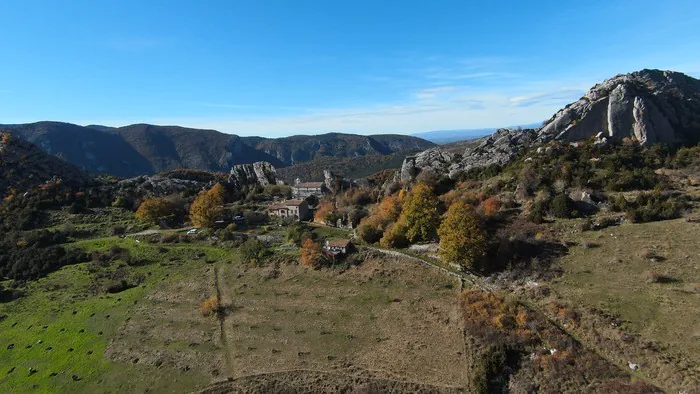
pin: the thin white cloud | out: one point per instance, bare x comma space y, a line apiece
429, 108
429, 93
561, 96
473, 111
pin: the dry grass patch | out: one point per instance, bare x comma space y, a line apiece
394, 317
635, 299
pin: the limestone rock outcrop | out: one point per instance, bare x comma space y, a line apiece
435, 159
261, 173
650, 106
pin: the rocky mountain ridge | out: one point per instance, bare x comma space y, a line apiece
647, 106
143, 149
24, 166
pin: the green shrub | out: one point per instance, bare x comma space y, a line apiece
620, 204
538, 211
298, 232
494, 370
650, 207
562, 206
252, 251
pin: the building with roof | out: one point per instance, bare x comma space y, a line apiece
308, 189
339, 246
295, 209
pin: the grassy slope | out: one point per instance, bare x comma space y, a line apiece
393, 317
51, 302
611, 277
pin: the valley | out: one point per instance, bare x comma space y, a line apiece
557, 259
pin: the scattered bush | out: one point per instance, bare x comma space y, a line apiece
77, 207
562, 206
298, 232
252, 251
370, 230
653, 276
121, 202
538, 210
395, 236
491, 206
649, 207
118, 230
620, 204
494, 369
209, 306
118, 286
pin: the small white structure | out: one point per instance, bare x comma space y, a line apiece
339, 246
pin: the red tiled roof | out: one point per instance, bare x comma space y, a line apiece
293, 203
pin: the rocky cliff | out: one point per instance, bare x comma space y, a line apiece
262, 173
648, 106
435, 160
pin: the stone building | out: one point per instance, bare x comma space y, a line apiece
308, 189
295, 209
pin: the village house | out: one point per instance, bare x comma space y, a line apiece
308, 189
339, 246
295, 209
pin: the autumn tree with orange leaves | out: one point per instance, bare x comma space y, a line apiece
207, 206
323, 211
154, 209
372, 228
311, 254
462, 240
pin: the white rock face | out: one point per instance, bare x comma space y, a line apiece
261, 172
643, 106
649, 106
434, 159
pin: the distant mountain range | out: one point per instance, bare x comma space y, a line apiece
449, 136
24, 166
147, 149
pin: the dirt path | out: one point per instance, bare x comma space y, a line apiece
462, 276
224, 300
145, 232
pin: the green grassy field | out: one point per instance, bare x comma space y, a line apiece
608, 270
67, 335
62, 328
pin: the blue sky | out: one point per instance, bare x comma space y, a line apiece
273, 68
